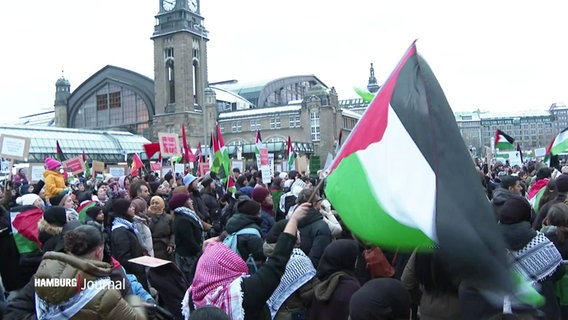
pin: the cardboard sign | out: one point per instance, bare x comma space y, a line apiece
264, 156
74, 165
149, 261
14, 147
98, 166
117, 171
36, 172
179, 168
169, 144
539, 152
238, 164
203, 168
155, 166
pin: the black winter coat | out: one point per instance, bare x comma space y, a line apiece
124, 246
314, 235
188, 235
258, 288
213, 208
247, 243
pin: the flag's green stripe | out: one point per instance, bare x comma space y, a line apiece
24, 245
349, 192
504, 145
561, 147
83, 212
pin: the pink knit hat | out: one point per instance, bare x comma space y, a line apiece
51, 164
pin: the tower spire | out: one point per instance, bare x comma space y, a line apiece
372, 86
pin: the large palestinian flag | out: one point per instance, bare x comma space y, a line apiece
559, 144
24, 222
503, 141
404, 179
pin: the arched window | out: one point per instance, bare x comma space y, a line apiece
170, 78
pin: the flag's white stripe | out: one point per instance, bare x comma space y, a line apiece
561, 137
502, 139
409, 196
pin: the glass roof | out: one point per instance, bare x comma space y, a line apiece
106, 146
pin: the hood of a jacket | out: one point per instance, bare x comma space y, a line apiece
323, 290
57, 265
240, 221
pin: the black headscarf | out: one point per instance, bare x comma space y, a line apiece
339, 255
379, 299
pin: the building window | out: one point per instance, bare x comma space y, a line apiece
255, 125
114, 99
169, 53
315, 125
295, 121
222, 127
102, 102
236, 126
275, 123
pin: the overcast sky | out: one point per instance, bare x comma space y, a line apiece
494, 55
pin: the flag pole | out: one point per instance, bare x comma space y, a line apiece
318, 186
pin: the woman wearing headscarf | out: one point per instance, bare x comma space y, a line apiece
222, 277
381, 299
161, 227
335, 283
293, 296
124, 243
83, 260
141, 222
188, 234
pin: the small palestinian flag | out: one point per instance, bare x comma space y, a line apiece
558, 145
410, 121
503, 141
291, 154
231, 185
82, 210
24, 222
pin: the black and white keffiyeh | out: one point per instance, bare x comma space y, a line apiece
537, 260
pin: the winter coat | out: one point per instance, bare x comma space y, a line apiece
49, 235
188, 235
315, 235
332, 295
562, 247
124, 245
144, 235
14, 275
199, 206
543, 212
161, 227
438, 305
258, 288
247, 243
266, 223
213, 208
54, 183
516, 237
107, 304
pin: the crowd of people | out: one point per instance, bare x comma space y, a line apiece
265, 251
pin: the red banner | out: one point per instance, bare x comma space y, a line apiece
203, 168
74, 165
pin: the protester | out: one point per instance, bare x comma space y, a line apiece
83, 260
161, 227
315, 233
221, 277
335, 283
124, 240
188, 234
381, 299
54, 180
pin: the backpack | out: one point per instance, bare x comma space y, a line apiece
377, 263
231, 242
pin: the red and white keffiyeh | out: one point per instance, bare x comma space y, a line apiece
217, 281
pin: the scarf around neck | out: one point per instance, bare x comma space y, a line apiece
537, 260
123, 223
299, 270
190, 213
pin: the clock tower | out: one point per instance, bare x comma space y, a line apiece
180, 71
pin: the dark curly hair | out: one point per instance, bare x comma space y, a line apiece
83, 240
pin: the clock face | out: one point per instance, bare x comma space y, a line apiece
168, 4
192, 5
